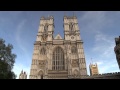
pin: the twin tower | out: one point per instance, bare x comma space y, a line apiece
57, 57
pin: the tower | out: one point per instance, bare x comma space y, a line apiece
75, 50
57, 57
23, 75
93, 69
41, 53
117, 50
46, 28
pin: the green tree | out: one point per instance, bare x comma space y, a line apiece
7, 60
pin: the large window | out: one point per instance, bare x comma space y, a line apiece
58, 59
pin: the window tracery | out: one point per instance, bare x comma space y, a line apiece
58, 59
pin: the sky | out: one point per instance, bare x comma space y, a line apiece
98, 30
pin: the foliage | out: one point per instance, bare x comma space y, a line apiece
7, 60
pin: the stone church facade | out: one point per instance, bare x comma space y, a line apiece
61, 58
57, 57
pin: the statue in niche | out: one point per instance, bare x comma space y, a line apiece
75, 73
71, 28
45, 35
45, 27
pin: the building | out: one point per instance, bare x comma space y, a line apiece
93, 69
113, 75
117, 50
23, 75
63, 58
57, 57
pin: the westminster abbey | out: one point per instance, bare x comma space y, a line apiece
61, 58
57, 57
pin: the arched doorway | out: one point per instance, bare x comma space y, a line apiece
58, 59
40, 74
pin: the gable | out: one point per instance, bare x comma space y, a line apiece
58, 37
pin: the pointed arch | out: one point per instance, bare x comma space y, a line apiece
40, 73
73, 50
43, 51
75, 72
58, 62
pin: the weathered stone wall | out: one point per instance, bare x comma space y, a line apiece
117, 50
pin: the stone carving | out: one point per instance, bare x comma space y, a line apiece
117, 49
75, 63
44, 36
72, 32
71, 26
48, 46
75, 73
46, 27
42, 63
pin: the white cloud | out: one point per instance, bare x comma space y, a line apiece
18, 33
23, 63
104, 44
92, 21
93, 24
104, 47
20, 40
99, 63
8, 16
108, 67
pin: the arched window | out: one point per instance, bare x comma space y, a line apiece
71, 26
46, 27
73, 50
58, 59
43, 51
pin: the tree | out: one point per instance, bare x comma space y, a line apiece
7, 60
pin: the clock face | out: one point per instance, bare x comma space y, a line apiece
72, 37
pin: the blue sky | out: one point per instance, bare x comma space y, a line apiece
97, 29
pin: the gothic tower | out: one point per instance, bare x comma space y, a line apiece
41, 56
74, 45
23, 75
93, 69
55, 57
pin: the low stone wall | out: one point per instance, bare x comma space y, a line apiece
115, 75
